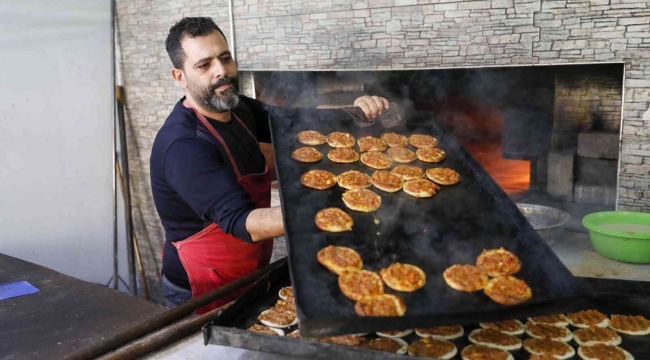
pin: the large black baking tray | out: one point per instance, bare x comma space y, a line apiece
452, 227
608, 296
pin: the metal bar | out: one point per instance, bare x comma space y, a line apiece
161, 338
172, 315
231, 17
128, 219
115, 267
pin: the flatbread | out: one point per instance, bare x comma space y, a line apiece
423, 141
354, 179
508, 290
401, 155
282, 315
263, 329
343, 155
371, 143
318, 179
380, 305
604, 352
286, 293
596, 335
341, 140
333, 220
403, 277
482, 352
393, 345
348, 340
395, 333
312, 138
376, 160
557, 349
587, 318
443, 176
408, 172
546, 331
386, 181
363, 200
338, 259
307, 155
420, 188
466, 278
432, 155
510, 327
630, 325
395, 140
499, 262
494, 338
357, 284
445, 332
427, 347
557, 320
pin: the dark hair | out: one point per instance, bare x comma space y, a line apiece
188, 26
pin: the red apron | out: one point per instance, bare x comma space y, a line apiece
213, 258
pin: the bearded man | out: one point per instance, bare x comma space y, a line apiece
210, 181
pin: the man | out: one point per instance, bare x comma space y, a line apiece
209, 179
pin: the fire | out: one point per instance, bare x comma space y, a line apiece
512, 175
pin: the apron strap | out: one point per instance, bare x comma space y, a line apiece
214, 132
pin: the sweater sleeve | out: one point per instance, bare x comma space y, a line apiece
194, 169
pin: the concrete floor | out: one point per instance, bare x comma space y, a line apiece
575, 251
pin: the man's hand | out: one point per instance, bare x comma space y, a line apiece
372, 106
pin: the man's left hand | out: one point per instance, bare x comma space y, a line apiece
372, 106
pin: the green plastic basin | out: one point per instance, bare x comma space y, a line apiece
620, 235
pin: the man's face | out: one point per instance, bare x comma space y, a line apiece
210, 72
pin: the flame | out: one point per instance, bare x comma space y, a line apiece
512, 175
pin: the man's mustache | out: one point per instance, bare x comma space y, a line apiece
221, 82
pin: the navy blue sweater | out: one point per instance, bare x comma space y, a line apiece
192, 179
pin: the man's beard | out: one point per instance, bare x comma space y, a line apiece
209, 99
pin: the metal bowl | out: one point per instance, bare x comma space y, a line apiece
547, 221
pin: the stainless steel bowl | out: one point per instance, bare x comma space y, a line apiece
547, 221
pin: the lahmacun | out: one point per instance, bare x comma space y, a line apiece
349, 340
376, 160
343, 155
354, 179
357, 284
408, 172
630, 325
494, 338
432, 155
333, 220
395, 140
554, 348
341, 140
508, 290
596, 335
444, 332
466, 278
380, 305
420, 188
427, 347
386, 181
363, 200
403, 277
443, 176
286, 293
307, 155
498, 262
318, 179
423, 141
482, 352
604, 352
312, 138
557, 320
263, 329
395, 333
371, 143
510, 327
393, 345
546, 331
401, 155
588, 318
338, 259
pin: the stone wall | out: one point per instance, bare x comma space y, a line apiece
389, 34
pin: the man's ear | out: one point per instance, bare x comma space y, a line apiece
179, 76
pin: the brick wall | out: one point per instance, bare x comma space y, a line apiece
389, 34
